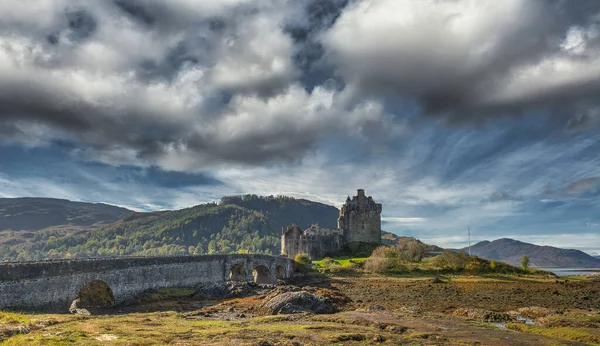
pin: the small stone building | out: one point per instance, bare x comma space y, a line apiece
359, 221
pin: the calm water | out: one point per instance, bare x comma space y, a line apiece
572, 271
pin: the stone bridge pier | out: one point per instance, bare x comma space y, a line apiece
53, 285
259, 270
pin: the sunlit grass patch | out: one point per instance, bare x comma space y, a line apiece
13, 317
339, 261
586, 335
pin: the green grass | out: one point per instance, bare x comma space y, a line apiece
585, 335
173, 328
177, 292
341, 261
13, 317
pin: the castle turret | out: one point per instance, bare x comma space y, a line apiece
360, 218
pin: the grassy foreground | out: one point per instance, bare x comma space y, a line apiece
445, 300
387, 310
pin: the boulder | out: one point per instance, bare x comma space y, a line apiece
225, 290
299, 302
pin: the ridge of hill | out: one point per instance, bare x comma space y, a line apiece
34, 214
511, 251
236, 224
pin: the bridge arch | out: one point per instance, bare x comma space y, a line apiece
94, 295
262, 275
238, 273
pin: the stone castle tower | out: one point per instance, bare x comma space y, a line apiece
359, 221
360, 218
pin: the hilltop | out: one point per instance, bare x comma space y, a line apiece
33, 214
247, 223
511, 251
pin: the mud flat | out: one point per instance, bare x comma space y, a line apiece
359, 309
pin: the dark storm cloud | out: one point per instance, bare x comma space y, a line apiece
81, 24
137, 11
319, 16
189, 84
466, 60
179, 84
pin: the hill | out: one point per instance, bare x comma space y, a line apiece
511, 251
32, 214
240, 223
388, 238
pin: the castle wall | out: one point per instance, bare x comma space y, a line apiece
53, 285
359, 221
316, 242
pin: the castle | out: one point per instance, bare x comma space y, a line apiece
359, 221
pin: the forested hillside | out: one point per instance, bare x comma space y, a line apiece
236, 224
32, 214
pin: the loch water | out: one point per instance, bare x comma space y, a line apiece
572, 271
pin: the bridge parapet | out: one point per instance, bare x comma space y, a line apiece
52, 285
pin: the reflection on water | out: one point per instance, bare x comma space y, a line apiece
573, 271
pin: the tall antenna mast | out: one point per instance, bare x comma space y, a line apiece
469, 231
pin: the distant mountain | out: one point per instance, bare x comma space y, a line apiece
32, 214
236, 224
511, 251
598, 257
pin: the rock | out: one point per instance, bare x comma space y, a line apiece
484, 315
396, 329
378, 338
225, 290
436, 280
534, 312
299, 302
76, 309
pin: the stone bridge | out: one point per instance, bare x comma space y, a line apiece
53, 285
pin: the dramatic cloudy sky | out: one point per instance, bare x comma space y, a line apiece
450, 113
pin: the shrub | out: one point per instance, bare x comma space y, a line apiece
385, 258
302, 261
452, 260
493, 265
412, 250
525, 262
378, 264
327, 261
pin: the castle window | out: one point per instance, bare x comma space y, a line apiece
364, 225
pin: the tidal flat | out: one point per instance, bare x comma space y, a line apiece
369, 310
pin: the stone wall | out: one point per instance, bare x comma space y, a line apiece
315, 242
52, 285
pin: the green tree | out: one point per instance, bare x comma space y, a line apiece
525, 262
493, 265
